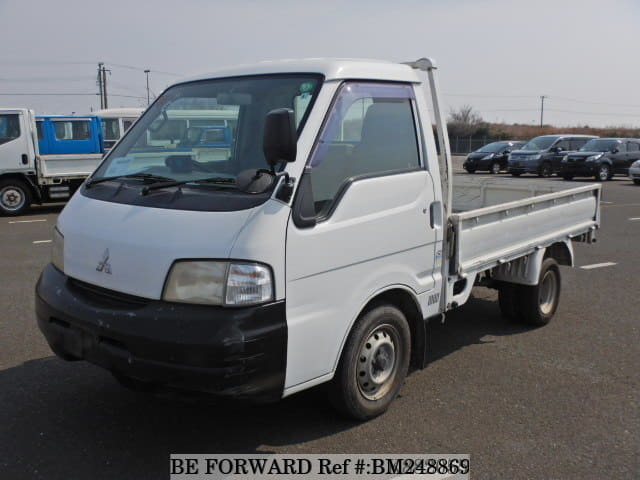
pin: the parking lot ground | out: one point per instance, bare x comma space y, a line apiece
561, 401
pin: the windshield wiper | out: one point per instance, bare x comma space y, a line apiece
144, 176
176, 183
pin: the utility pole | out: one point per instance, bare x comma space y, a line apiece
147, 73
104, 85
542, 97
100, 89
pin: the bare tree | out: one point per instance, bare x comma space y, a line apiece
464, 121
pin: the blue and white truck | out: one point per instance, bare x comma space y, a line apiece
45, 158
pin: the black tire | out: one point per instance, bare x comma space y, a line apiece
516, 174
508, 300
367, 355
567, 177
15, 197
545, 170
603, 173
470, 170
637, 182
538, 303
494, 168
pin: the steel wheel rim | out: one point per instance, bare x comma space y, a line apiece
604, 172
377, 362
546, 171
495, 168
12, 198
548, 292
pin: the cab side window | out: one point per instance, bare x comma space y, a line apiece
633, 147
9, 127
369, 131
564, 144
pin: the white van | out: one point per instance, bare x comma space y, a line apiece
316, 250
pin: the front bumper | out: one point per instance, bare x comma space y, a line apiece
585, 169
235, 352
523, 167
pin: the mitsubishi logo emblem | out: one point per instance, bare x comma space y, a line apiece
104, 265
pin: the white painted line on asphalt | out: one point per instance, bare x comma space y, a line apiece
601, 201
42, 241
598, 265
28, 221
634, 218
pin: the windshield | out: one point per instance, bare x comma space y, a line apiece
539, 143
493, 147
210, 128
598, 145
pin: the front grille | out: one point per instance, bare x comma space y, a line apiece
104, 296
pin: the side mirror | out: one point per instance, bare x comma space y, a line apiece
507, 151
557, 149
614, 150
279, 142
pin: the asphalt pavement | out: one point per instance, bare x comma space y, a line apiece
557, 402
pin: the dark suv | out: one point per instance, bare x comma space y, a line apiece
493, 156
543, 155
601, 158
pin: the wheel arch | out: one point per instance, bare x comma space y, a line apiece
35, 192
405, 299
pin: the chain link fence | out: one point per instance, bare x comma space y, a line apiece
464, 145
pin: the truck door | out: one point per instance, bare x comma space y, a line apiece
372, 197
14, 140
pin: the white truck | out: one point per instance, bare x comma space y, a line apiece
45, 158
316, 251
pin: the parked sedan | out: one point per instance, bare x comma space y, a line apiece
601, 158
634, 172
492, 157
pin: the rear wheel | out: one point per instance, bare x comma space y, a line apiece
494, 168
566, 176
516, 174
637, 182
15, 196
538, 303
373, 364
603, 173
470, 170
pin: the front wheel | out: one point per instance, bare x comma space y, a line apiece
545, 170
495, 168
603, 173
637, 182
538, 303
470, 170
15, 197
516, 174
567, 177
373, 364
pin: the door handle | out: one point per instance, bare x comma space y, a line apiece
25, 159
435, 215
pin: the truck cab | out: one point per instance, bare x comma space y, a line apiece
313, 247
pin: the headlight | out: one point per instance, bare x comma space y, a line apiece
535, 157
593, 158
565, 158
218, 283
57, 249
636, 164
488, 157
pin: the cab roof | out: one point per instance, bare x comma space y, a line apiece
330, 68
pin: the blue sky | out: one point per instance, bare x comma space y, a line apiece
498, 56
